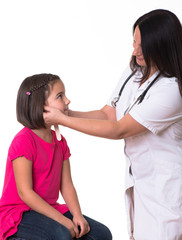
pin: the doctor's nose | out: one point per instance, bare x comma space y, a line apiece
137, 50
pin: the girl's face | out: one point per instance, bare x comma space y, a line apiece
57, 98
137, 52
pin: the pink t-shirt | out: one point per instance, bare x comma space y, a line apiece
47, 160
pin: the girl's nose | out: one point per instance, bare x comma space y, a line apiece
67, 101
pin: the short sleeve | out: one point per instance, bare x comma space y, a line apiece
22, 146
65, 148
161, 108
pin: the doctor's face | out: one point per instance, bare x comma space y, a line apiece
137, 52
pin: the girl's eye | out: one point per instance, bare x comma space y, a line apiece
60, 96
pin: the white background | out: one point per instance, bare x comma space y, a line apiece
88, 44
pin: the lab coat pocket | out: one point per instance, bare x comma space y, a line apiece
168, 183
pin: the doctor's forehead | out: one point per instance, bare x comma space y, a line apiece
137, 35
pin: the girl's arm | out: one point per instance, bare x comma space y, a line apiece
111, 129
23, 177
106, 113
70, 196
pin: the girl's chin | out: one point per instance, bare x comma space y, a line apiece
66, 112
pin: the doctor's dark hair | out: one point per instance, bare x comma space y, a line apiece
161, 42
31, 99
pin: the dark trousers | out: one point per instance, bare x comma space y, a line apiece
35, 226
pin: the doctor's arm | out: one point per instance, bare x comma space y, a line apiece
105, 113
111, 129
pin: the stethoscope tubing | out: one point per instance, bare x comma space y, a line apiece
140, 98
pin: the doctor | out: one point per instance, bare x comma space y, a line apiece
145, 110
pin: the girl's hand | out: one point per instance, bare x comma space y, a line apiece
71, 227
52, 116
82, 225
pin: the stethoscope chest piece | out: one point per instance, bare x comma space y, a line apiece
114, 102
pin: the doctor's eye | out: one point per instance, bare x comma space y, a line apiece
134, 43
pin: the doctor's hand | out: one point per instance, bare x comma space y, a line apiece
53, 116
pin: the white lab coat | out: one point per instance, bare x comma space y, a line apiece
154, 159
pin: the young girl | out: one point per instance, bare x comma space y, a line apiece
37, 169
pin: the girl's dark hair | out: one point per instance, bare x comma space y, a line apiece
31, 99
161, 42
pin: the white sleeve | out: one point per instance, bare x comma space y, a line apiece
162, 107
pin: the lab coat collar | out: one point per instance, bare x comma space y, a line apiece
147, 82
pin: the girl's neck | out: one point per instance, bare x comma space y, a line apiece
44, 133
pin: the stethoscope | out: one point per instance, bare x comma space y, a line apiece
139, 99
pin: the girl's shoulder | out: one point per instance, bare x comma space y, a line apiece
24, 135
22, 145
